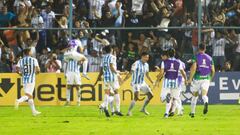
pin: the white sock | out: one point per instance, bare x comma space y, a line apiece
22, 99
68, 93
175, 105
85, 66
131, 105
105, 101
193, 104
79, 96
179, 105
168, 107
117, 100
31, 104
205, 99
110, 101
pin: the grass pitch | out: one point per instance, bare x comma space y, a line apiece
86, 120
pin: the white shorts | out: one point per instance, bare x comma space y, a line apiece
73, 78
112, 86
174, 93
73, 55
200, 85
29, 88
141, 87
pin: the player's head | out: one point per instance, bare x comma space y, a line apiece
171, 52
164, 55
202, 47
144, 57
27, 52
108, 49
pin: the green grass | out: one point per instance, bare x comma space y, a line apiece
86, 120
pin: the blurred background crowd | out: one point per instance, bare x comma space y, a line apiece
47, 44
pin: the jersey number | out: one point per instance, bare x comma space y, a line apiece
26, 69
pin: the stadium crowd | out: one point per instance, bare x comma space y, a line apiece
48, 45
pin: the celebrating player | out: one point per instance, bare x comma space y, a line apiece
201, 73
72, 53
169, 69
27, 67
72, 72
139, 70
111, 78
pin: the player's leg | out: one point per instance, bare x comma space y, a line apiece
166, 96
195, 90
118, 103
111, 103
175, 95
70, 77
136, 90
28, 92
204, 87
104, 105
78, 87
23, 98
146, 89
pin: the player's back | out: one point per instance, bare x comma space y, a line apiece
72, 66
204, 64
27, 67
171, 68
107, 60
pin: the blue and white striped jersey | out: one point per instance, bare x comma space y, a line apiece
139, 70
108, 75
72, 66
27, 67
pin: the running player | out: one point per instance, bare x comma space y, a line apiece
111, 81
27, 67
169, 69
139, 70
201, 74
72, 72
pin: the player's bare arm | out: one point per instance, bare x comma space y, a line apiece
192, 72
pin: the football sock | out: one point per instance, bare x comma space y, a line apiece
193, 104
205, 99
132, 105
31, 104
68, 92
117, 100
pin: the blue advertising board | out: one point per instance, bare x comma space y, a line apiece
225, 89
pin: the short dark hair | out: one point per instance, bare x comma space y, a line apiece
144, 54
171, 52
108, 49
164, 53
202, 47
26, 51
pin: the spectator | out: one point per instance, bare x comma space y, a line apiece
218, 45
130, 56
6, 18
53, 65
4, 66
94, 62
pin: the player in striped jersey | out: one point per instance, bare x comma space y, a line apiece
139, 70
73, 52
72, 74
111, 81
170, 69
177, 104
27, 67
